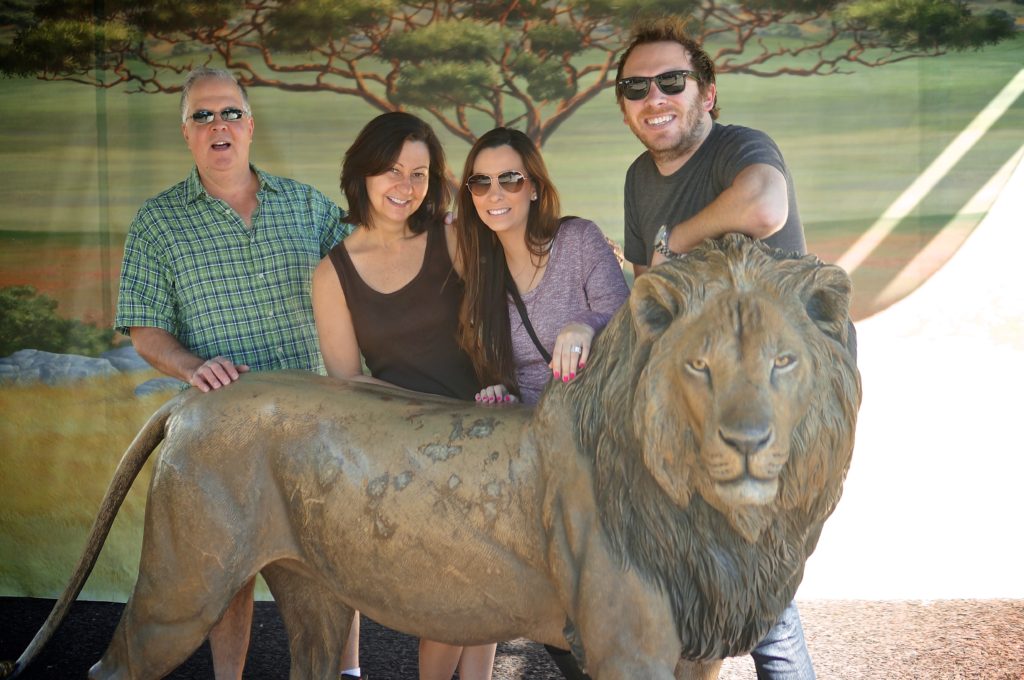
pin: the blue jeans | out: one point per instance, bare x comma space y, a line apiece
782, 654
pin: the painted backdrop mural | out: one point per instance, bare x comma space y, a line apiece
900, 121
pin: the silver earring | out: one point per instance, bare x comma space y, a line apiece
534, 197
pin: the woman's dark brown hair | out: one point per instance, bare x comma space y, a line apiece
374, 152
484, 331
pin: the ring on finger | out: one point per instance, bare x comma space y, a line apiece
576, 349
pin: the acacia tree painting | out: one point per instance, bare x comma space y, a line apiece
524, 63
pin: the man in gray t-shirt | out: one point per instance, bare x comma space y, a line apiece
699, 179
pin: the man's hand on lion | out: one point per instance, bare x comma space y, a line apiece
215, 373
571, 351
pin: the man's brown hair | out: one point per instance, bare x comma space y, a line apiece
671, 29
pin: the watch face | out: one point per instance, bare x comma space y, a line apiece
661, 240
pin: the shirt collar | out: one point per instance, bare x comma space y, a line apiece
194, 187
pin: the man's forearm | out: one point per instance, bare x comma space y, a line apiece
757, 204
164, 352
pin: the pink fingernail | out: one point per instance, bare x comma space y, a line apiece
507, 397
572, 376
565, 378
557, 375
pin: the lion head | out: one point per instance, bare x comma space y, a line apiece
719, 409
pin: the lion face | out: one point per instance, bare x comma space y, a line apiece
732, 372
738, 377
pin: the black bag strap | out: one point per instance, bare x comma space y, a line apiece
514, 292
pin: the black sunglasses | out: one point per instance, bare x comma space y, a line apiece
511, 181
229, 115
670, 82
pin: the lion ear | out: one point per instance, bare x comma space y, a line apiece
827, 301
655, 303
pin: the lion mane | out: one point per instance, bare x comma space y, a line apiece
728, 569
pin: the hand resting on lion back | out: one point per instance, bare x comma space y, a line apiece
654, 514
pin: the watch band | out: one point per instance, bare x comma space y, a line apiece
661, 244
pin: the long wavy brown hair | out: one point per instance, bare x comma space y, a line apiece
484, 331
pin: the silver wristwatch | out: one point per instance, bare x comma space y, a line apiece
661, 244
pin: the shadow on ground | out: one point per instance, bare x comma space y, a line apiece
848, 640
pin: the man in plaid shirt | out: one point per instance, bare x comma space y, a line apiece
216, 275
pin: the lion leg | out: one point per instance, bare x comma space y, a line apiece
159, 629
193, 562
179, 596
316, 620
697, 670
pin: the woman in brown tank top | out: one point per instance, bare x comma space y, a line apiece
391, 293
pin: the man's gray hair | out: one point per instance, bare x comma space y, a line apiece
205, 73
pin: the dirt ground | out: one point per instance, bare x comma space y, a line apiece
855, 640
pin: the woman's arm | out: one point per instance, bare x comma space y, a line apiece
604, 288
334, 328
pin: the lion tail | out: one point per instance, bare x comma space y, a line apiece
128, 469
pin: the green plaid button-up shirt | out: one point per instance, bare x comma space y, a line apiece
192, 268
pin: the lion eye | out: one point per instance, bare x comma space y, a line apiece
784, 361
697, 365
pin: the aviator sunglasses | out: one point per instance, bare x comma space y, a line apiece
511, 181
229, 115
670, 82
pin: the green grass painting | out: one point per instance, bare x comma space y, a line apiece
854, 143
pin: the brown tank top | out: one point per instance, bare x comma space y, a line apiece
408, 337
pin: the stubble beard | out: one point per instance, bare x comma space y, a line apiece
690, 138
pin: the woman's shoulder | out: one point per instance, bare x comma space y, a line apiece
578, 229
581, 233
325, 275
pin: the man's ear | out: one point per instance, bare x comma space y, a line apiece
708, 95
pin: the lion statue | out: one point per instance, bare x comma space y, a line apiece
654, 514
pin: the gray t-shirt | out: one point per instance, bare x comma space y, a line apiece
582, 283
652, 200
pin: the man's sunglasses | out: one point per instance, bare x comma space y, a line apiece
511, 181
670, 82
229, 115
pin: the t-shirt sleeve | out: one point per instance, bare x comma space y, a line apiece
634, 249
145, 294
743, 148
603, 283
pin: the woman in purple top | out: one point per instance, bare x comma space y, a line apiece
512, 241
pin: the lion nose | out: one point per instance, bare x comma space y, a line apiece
747, 440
